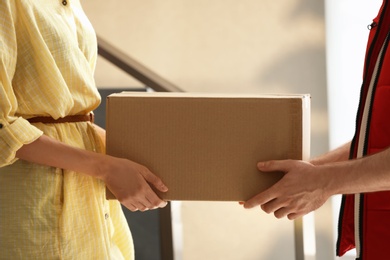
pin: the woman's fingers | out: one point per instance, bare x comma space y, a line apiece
154, 180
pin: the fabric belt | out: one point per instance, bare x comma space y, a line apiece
67, 119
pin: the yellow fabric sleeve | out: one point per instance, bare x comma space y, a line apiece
14, 132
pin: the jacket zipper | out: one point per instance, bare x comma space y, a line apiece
371, 25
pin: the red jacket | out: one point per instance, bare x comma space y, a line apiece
365, 218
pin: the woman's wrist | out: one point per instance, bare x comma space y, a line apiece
98, 165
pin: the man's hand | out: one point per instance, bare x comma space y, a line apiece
301, 190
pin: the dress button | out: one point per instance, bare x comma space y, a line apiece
106, 216
64, 2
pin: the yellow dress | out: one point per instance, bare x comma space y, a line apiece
48, 53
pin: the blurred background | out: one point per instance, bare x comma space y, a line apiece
247, 46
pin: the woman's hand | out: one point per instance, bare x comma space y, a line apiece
132, 183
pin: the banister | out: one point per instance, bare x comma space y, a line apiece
134, 68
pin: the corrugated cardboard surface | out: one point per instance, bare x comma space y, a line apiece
206, 147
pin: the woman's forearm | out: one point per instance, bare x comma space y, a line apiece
50, 152
130, 182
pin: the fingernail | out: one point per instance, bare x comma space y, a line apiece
260, 164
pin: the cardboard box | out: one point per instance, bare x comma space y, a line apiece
206, 147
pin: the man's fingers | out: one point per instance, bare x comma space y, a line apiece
293, 216
286, 198
266, 199
277, 165
281, 212
259, 199
273, 206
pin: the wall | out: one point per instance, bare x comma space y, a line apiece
245, 46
